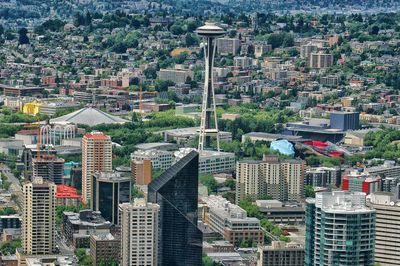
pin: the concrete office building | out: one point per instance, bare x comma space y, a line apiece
176, 192
227, 46
109, 190
160, 159
388, 169
231, 221
387, 240
49, 167
280, 213
105, 247
77, 227
340, 230
211, 162
280, 254
177, 76
9, 221
320, 60
96, 157
39, 217
281, 179
139, 233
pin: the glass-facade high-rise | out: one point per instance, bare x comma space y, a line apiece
340, 230
176, 191
109, 190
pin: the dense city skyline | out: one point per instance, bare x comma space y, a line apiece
203, 133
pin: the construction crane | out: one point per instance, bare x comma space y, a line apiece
36, 126
141, 98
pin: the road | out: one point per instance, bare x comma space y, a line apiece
62, 244
15, 187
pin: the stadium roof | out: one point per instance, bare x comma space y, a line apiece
88, 116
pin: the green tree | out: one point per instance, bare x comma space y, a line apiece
23, 37
9, 247
309, 191
210, 182
191, 40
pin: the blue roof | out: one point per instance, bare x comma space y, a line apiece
282, 146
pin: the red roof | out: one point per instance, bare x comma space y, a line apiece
64, 191
96, 135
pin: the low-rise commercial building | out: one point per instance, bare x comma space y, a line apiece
211, 162
231, 221
160, 159
281, 254
77, 227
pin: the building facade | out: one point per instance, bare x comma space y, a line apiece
39, 217
281, 179
281, 254
340, 230
177, 76
323, 177
226, 46
321, 60
231, 221
387, 239
176, 191
160, 160
109, 190
105, 248
141, 171
96, 157
49, 167
345, 120
139, 233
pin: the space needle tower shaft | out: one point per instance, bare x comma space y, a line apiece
208, 127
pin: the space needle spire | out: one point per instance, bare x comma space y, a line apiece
209, 128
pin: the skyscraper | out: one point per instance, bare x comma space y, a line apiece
281, 179
176, 192
141, 171
49, 167
96, 157
39, 222
209, 32
139, 233
109, 190
387, 227
340, 230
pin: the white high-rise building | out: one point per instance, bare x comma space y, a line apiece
139, 233
96, 157
39, 217
387, 242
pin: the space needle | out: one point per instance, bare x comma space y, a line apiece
209, 32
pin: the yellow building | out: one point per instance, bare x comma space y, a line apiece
32, 108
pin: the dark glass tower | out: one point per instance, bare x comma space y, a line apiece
109, 190
176, 191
